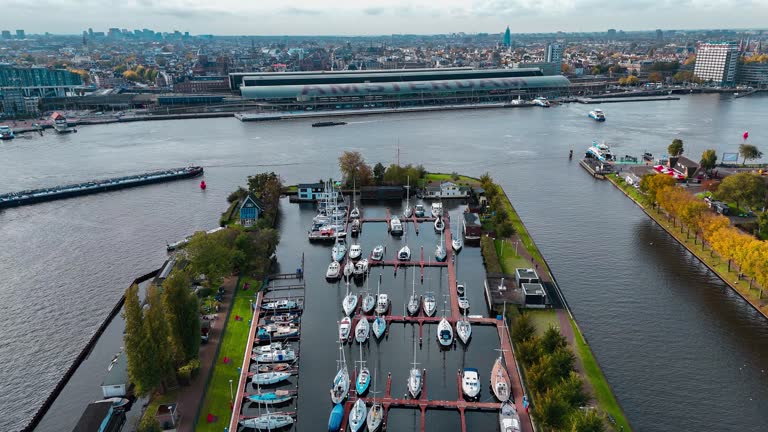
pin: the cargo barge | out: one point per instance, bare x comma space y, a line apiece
15, 199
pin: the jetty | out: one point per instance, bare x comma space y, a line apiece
32, 196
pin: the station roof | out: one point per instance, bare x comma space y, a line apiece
403, 88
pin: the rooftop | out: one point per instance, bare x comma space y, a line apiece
526, 273
118, 372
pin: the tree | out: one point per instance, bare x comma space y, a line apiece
157, 338
743, 188
136, 349
182, 315
762, 224
587, 421
131, 76
149, 424
378, 173
676, 148
629, 81
749, 152
211, 255
522, 329
651, 184
655, 77
708, 160
352, 166
551, 410
552, 340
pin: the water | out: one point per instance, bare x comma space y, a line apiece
678, 347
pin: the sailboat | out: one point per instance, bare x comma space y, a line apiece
430, 305
340, 386
369, 302
363, 380
500, 380
350, 302
268, 421
362, 330
509, 420
444, 331
464, 328
440, 253
408, 212
339, 249
414, 376
382, 300
349, 268
355, 213
357, 415
272, 397
414, 301
457, 243
376, 413
439, 224
268, 378
379, 326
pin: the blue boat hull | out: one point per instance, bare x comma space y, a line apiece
334, 421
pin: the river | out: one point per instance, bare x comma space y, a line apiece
681, 350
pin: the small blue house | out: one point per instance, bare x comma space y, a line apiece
310, 191
250, 210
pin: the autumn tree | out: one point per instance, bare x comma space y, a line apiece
676, 148
708, 160
655, 77
587, 421
651, 184
182, 315
353, 167
743, 188
131, 76
749, 152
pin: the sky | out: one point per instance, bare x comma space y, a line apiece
378, 17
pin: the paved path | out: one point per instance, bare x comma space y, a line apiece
190, 397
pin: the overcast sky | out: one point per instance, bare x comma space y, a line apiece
363, 17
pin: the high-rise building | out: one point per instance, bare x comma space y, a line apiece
6, 34
507, 38
717, 61
554, 53
659, 35
20, 34
611, 33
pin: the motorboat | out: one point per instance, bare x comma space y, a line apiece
460, 289
542, 102
270, 367
597, 114
339, 249
419, 210
357, 226
509, 420
463, 303
369, 303
463, 330
414, 376
268, 422
349, 269
355, 251
357, 415
336, 417
382, 304
274, 346
439, 224
276, 331
361, 268
437, 209
404, 254
362, 330
283, 318
283, 355
340, 386
500, 381
375, 417
117, 402
600, 151
280, 305
333, 272
379, 327
267, 378
378, 253
345, 326
444, 333
395, 226
470, 383
6, 133
349, 304
429, 305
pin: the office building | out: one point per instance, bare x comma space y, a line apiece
6, 34
554, 53
20, 34
753, 74
716, 62
507, 38
38, 81
659, 35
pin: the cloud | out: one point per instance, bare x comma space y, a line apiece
300, 11
374, 10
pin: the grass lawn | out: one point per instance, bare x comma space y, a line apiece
291, 189
441, 177
233, 346
600, 386
509, 260
159, 399
542, 319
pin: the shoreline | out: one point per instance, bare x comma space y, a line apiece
693, 252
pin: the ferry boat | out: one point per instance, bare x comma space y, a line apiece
6, 133
60, 123
600, 151
542, 102
597, 115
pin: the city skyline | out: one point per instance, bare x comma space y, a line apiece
378, 17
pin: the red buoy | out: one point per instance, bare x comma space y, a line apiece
203, 185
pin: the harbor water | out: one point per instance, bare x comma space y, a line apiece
681, 350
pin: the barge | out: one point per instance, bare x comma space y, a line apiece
15, 199
328, 123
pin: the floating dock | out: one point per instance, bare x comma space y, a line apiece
15, 199
596, 168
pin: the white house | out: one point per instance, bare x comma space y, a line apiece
447, 190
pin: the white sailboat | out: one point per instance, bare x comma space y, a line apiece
350, 302
429, 304
457, 243
339, 249
376, 413
357, 415
408, 212
340, 386
414, 376
414, 301
440, 253
268, 421
464, 329
369, 303
444, 331
355, 213
349, 268
382, 300
362, 330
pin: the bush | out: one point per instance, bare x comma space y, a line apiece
490, 258
188, 371
149, 424
205, 292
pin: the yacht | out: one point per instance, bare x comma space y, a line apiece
600, 151
597, 115
404, 254
6, 133
339, 249
395, 226
362, 330
470, 383
361, 268
355, 251
437, 209
429, 304
463, 303
419, 210
500, 381
460, 290
439, 224
542, 102
344, 328
382, 304
357, 415
509, 420
334, 270
378, 253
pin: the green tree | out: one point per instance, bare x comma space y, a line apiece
522, 329
182, 315
587, 421
156, 333
378, 173
552, 340
237, 195
551, 410
676, 148
743, 188
749, 152
762, 224
562, 360
708, 160
211, 255
136, 346
571, 389
256, 247
149, 424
